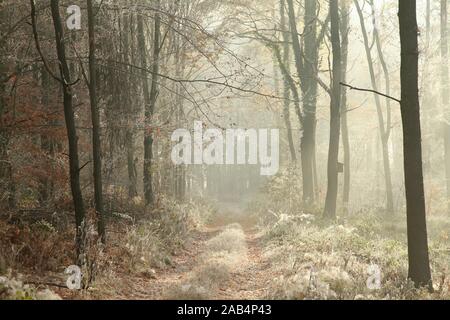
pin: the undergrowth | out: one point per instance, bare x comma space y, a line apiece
137, 244
318, 259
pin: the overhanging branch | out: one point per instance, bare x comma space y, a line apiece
370, 90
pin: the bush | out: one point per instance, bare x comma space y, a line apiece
333, 262
13, 289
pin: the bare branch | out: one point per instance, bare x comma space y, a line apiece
370, 90
36, 40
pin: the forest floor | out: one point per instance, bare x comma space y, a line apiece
232, 255
247, 281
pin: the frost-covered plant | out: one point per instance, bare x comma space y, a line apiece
317, 261
15, 289
152, 242
187, 291
231, 240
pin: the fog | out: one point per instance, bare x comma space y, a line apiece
230, 149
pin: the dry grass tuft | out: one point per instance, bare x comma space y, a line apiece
223, 254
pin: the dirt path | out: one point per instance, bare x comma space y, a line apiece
183, 264
248, 281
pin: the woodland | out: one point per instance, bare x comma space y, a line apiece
224, 150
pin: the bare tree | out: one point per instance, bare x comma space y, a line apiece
129, 44
96, 131
384, 128
345, 21
64, 79
335, 111
150, 98
286, 78
306, 62
445, 94
419, 265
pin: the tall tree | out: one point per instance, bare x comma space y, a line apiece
445, 94
96, 131
384, 130
130, 135
64, 79
142, 48
335, 111
6, 171
286, 78
419, 265
180, 58
386, 133
306, 62
150, 98
345, 21
428, 21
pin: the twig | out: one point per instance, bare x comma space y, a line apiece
36, 40
84, 166
370, 90
39, 50
49, 284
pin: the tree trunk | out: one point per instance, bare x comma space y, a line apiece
96, 131
310, 87
142, 44
128, 47
180, 170
71, 131
419, 265
384, 132
345, 15
287, 87
150, 98
7, 188
307, 72
333, 152
445, 95
427, 95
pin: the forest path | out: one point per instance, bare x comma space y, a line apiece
183, 264
248, 280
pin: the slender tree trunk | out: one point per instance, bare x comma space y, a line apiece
345, 14
130, 135
142, 44
428, 20
131, 164
310, 88
180, 170
71, 130
445, 95
287, 88
45, 140
150, 98
6, 183
291, 87
335, 109
387, 130
5, 163
7, 187
307, 73
384, 132
419, 265
96, 131
426, 96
